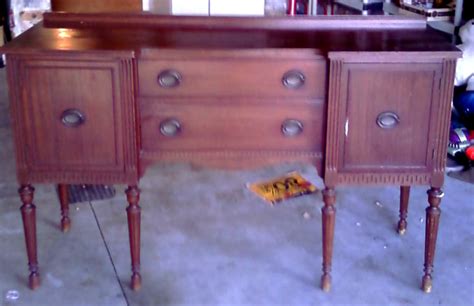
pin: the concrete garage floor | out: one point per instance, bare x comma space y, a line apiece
206, 240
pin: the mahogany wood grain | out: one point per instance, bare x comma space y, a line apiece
28, 214
55, 87
133, 214
234, 77
329, 220
282, 54
99, 149
232, 125
443, 112
433, 213
405, 145
298, 23
129, 40
404, 199
64, 201
404, 154
374, 108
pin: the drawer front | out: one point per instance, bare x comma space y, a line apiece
240, 127
237, 78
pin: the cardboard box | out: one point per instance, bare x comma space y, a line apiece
209, 7
186, 7
237, 7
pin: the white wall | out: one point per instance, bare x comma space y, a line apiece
206, 7
237, 7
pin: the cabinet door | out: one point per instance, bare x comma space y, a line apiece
385, 120
75, 120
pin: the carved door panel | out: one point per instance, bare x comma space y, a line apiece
387, 116
74, 118
386, 121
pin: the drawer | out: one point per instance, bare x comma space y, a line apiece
238, 78
236, 127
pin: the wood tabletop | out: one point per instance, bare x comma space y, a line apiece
132, 33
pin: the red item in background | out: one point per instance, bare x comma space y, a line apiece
470, 152
297, 7
292, 7
11, 19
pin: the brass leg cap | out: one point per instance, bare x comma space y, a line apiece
65, 224
34, 280
402, 227
136, 283
427, 284
326, 283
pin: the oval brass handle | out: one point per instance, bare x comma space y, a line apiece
388, 120
293, 79
72, 118
170, 127
291, 127
169, 78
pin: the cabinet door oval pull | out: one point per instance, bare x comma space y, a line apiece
293, 79
170, 127
169, 78
388, 120
72, 118
291, 127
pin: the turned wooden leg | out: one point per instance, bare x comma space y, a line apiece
29, 225
404, 197
433, 213
133, 214
329, 216
63, 200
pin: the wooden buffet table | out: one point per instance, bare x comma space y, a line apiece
97, 98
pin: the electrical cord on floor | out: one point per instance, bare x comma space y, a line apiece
108, 252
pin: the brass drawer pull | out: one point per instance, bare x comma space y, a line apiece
293, 79
169, 78
72, 118
388, 120
291, 127
170, 127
